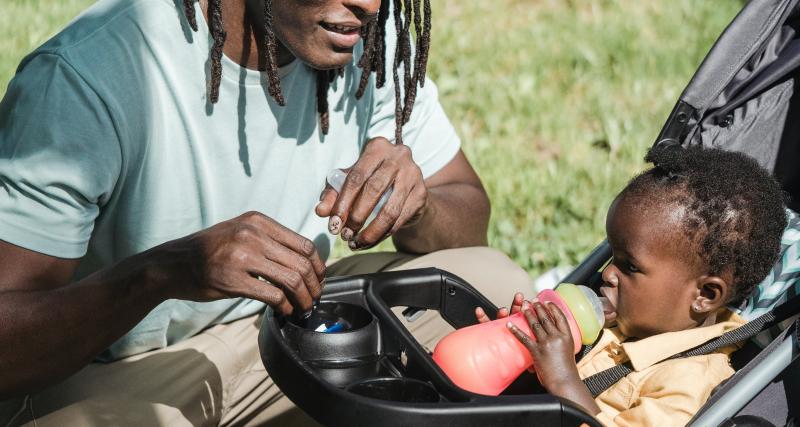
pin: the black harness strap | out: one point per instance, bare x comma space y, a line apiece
601, 381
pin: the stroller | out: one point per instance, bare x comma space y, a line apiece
377, 373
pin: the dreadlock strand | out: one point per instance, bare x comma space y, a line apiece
219, 35
417, 11
398, 106
405, 37
367, 59
188, 9
323, 82
425, 46
380, 46
411, 82
271, 49
363, 62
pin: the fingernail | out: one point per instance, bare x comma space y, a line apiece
334, 223
525, 305
509, 325
352, 245
347, 233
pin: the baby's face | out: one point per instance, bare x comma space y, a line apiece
652, 278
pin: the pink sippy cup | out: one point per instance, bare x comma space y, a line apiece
487, 357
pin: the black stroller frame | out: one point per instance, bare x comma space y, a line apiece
741, 98
377, 373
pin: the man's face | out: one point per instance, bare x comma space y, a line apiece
321, 33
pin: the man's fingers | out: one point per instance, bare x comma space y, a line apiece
383, 223
357, 175
356, 178
295, 262
289, 281
411, 207
299, 244
261, 290
373, 189
326, 201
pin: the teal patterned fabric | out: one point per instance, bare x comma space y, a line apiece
782, 283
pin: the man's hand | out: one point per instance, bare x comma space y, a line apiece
382, 165
249, 256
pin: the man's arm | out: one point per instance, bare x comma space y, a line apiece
456, 213
50, 328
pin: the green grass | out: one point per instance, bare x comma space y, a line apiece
556, 101
25, 24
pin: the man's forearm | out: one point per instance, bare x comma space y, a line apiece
47, 335
456, 215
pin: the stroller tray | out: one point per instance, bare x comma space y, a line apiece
354, 363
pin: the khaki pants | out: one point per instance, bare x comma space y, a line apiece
217, 378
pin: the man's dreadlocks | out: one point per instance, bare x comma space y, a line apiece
372, 60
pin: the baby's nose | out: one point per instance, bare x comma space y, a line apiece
610, 277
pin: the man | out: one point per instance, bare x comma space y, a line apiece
158, 190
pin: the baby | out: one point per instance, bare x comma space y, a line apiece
692, 234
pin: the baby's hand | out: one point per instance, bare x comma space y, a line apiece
552, 349
517, 304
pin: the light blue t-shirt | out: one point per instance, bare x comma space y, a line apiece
108, 147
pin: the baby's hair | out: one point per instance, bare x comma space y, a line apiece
734, 210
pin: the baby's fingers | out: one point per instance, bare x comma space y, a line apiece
536, 326
545, 319
560, 318
481, 315
517, 303
521, 336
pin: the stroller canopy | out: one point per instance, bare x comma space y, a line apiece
742, 96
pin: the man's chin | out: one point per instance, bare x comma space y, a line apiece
335, 60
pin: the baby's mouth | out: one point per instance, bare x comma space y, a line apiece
609, 301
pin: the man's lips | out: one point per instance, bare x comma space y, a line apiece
342, 28
343, 34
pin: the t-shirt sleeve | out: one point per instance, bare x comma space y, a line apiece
59, 158
429, 133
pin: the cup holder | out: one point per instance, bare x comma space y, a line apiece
341, 317
396, 390
354, 339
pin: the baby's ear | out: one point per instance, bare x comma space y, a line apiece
712, 293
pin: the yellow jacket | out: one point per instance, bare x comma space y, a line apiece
659, 394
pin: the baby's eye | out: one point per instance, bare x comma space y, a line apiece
631, 268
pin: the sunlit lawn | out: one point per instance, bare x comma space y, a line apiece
555, 100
